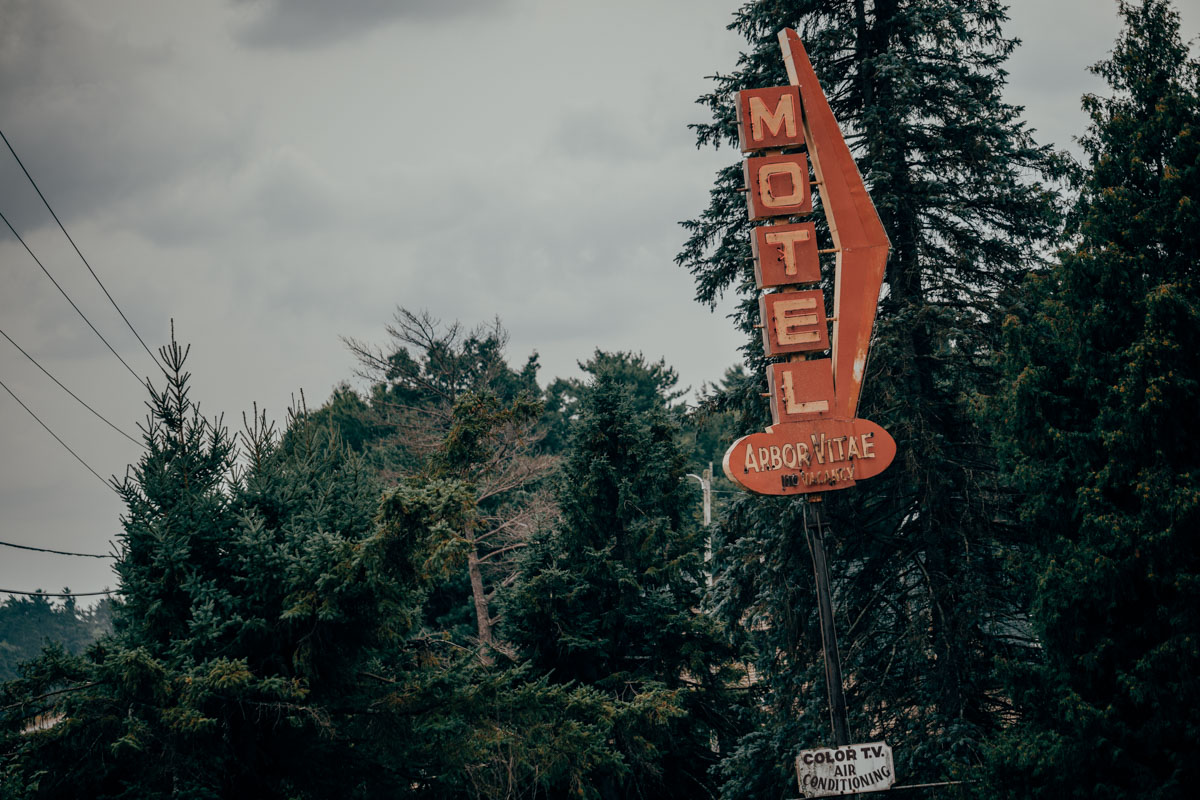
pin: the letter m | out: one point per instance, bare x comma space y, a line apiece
769, 118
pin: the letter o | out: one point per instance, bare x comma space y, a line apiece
794, 175
789, 456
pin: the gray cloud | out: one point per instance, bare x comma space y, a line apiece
93, 114
273, 174
599, 134
316, 23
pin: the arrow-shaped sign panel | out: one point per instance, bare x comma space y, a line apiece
858, 235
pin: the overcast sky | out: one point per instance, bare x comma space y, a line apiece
275, 175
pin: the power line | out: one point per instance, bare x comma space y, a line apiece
57, 594
55, 435
61, 227
68, 391
69, 300
56, 552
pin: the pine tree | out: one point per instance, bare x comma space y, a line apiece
488, 462
415, 381
609, 598
445, 408
253, 600
1099, 423
922, 599
651, 383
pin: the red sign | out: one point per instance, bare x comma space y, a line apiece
769, 118
801, 389
816, 443
817, 456
777, 186
794, 322
785, 255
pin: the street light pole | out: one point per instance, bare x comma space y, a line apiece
706, 487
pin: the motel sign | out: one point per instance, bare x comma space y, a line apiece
815, 443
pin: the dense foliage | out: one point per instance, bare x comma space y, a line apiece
610, 597
290, 621
218, 681
1098, 420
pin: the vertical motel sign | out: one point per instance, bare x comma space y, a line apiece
816, 443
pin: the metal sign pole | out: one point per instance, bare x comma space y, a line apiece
829, 646
816, 442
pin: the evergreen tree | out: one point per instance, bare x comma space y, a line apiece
609, 598
252, 602
488, 461
416, 380
446, 412
445, 406
1098, 420
273, 641
649, 382
922, 600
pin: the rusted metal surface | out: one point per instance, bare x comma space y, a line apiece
817, 455
785, 255
816, 444
801, 390
777, 186
769, 119
783, 128
794, 322
857, 232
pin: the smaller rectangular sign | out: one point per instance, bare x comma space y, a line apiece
793, 322
852, 768
777, 186
769, 118
785, 255
801, 390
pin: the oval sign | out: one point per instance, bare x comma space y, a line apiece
820, 455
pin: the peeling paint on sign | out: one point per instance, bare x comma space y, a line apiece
783, 130
817, 456
851, 769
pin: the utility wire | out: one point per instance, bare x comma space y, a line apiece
57, 552
57, 594
68, 391
61, 227
55, 435
69, 300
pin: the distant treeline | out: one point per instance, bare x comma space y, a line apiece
28, 624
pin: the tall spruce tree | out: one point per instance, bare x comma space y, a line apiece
609, 599
923, 603
1099, 421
